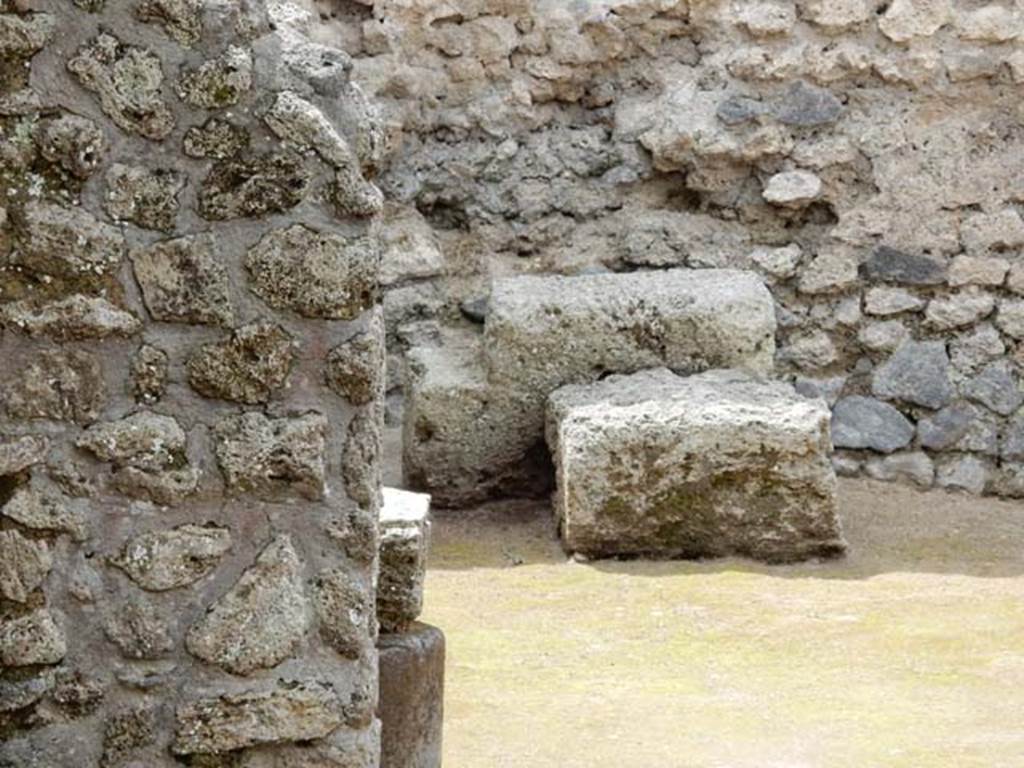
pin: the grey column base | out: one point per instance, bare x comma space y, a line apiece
411, 708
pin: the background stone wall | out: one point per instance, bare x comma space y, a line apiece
191, 390
865, 156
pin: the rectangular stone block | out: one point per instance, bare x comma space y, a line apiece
544, 332
474, 422
404, 539
721, 463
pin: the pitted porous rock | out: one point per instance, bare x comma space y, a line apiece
18, 453
73, 142
185, 281
76, 317
24, 564
261, 620
148, 198
220, 82
31, 638
404, 541
127, 81
345, 611
715, 464
289, 711
273, 457
249, 367
56, 384
181, 19
355, 369
144, 440
69, 243
46, 511
173, 558
252, 186
316, 274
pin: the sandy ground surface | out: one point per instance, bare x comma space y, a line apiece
909, 652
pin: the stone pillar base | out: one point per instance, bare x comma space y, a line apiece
411, 707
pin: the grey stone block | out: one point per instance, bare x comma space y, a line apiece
722, 463
404, 541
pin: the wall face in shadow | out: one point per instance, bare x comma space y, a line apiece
192, 389
862, 156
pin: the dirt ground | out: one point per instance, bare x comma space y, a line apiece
909, 652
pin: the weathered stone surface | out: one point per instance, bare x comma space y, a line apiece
971, 270
959, 427
217, 138
22, 35
959, 310
316, 274
355, 369
1010, 318
883, 337
345, 612
837, 15
766, 19
218, 82
780, 263
56, 384
996, 388
181, 19
410, 249
147, 198
628, 482
149, 374
18, 453
411, 707
361, 458
883, 301
68, 243
143, 440
809, 351
273, 456
138, 628
806, 106
861, 422
46, 511
831, 271
249, 367
984, 233
127, 81
253, 186
24, 564
907, 19
889, 265
33, 638
76, 317
404, 540
918, 373
963, 473
914, 467
184, 281
291, 711
165, 487
1011, 446
793, 189
261, 620
127, 731
173, 558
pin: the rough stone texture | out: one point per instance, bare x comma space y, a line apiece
316, 274
183, 281
482, 433
261, 620
404, 542
411, 707
918, 373
144, 586
862, 422
249, 367
268, 457
356, 369
289, 711
173, 558
714, 464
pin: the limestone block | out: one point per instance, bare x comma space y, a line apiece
721, 463
411, 704
404, 540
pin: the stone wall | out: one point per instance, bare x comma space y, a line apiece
865, 156
191, 395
